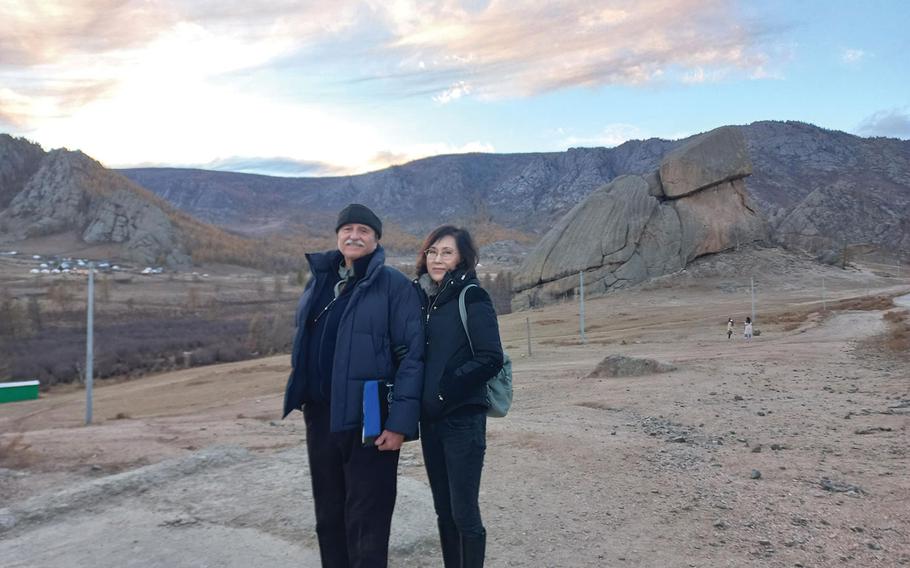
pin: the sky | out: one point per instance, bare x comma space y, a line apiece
315, 87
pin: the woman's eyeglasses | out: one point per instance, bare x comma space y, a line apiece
444, 254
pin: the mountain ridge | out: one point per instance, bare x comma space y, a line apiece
531, 191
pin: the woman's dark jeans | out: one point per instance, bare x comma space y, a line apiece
453, 450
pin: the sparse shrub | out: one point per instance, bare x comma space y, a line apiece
34, 314
898, 336
13, 321
61, 294
15, 453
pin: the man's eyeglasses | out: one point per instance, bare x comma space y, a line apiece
444, 254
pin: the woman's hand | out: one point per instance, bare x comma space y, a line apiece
389, 441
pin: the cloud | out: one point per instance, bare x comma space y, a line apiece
852, 56
453, 93
522, 48
891, 122
611, 135
42, 32
386, 158
292, 167
51, 51
278, 166
445, 49
187, 81
48, 99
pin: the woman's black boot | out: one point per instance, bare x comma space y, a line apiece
473, 549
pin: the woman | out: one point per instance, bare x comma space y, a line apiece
453, 417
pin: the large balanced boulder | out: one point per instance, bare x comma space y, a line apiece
713, 158
636, 227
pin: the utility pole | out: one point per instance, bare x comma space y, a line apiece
752, 285
824, 296
89, 344
528, 330
581, 311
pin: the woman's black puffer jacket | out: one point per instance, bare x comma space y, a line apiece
454, 377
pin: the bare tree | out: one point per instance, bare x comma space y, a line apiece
278, 286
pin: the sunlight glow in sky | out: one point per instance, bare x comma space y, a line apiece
336, 87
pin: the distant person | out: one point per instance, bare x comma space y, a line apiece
747, 332
453, 418
730, 324
352, 314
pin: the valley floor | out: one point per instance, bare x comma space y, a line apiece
790, 450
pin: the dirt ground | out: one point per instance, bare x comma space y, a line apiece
789, 450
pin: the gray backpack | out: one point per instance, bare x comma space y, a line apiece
499, 388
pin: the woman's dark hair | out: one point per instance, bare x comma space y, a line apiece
466, 247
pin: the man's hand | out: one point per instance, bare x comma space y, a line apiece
389, 441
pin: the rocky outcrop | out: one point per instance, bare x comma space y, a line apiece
19, 160
622, 366
638, 227
72, 192
823, 189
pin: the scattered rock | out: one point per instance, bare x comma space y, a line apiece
623, 366
872, 430
755, 474
839, 487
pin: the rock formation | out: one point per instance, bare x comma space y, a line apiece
68, 191
623, 366
641, 226
19, 160
531, 192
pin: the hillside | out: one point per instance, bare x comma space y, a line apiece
67, 193
816, 188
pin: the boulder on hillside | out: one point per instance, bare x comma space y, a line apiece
632, 229
710, 159
622, 366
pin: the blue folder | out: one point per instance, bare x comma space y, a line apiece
372, 412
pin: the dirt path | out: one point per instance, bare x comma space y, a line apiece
787, 451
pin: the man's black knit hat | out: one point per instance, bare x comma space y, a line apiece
357, 213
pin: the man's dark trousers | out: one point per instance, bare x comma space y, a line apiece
354, 492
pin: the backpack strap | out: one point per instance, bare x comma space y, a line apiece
464, 314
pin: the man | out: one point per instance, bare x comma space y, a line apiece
358, 320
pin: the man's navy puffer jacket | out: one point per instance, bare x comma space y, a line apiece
383, 311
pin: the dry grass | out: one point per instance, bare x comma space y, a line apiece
897, 339
864, 303
790, 321
15, 453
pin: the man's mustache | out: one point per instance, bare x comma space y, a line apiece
355, 242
